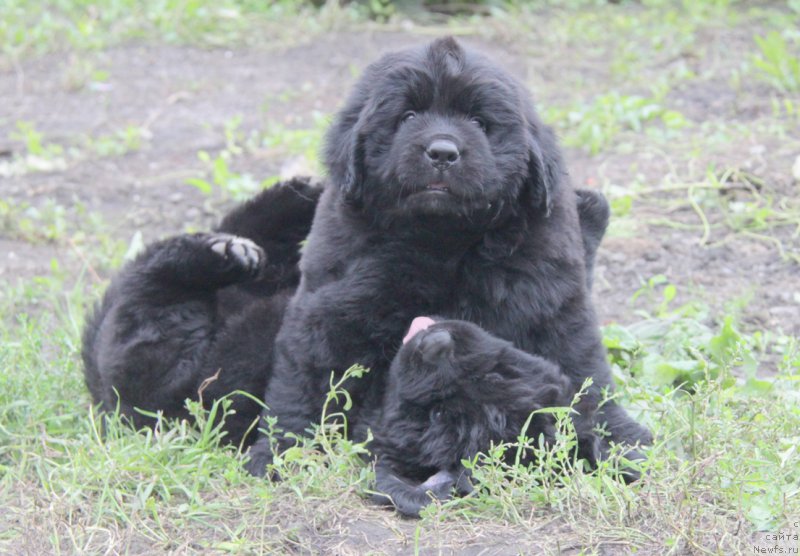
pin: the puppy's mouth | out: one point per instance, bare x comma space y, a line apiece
437, 187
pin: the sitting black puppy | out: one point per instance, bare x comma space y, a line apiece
447, 196
454, 390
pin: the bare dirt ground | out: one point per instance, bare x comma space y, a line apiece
184, 96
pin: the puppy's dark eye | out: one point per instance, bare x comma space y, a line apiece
478, 122
408, 115
436, 414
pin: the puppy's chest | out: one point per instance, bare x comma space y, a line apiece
506, 303
427, 292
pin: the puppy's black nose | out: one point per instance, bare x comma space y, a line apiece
442, 153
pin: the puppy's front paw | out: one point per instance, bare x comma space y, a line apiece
439, 485
238, 252
260, 456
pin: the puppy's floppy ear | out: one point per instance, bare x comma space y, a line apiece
545, 167
344, 147
593, 214
353, 182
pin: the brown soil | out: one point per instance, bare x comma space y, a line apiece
183, 97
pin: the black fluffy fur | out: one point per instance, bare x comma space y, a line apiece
194, 306
494, 240
454, 390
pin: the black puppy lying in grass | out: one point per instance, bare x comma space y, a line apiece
454, 390
200, 312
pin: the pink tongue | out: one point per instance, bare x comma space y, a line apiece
417, 325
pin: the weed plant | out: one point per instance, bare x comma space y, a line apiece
724, 463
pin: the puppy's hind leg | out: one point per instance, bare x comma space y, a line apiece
145, 343
193, 264
278, 219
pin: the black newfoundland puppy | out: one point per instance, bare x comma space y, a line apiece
447, 196
454, 390
201, 311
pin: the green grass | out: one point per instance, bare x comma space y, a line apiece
722, 208
39, 27
35, 153
85, 235
776, 63
597, 125
724, 463
30, 28
278, 141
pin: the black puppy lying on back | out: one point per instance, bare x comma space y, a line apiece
196, 306
453, 391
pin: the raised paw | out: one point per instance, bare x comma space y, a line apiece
239, 252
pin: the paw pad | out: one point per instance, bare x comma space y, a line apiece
238, 250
